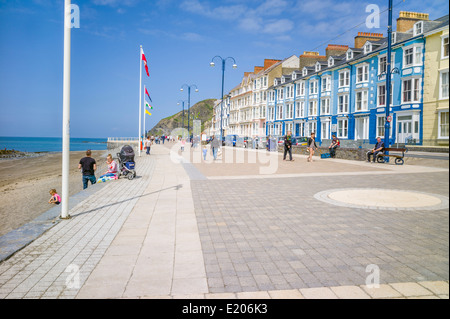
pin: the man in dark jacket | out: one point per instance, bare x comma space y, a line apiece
288, 145
379, 147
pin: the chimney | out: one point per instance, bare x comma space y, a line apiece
407, 19
258, 69
247, 74
269, 62
362, 37
309, 58
335, 49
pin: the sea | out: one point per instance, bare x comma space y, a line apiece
50, 144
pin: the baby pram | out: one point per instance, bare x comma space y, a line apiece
126, 162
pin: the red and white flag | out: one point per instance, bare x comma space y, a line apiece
145, 61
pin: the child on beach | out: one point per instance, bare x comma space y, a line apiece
55, 199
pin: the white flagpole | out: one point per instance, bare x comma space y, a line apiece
66, 113
140, 98
145, 135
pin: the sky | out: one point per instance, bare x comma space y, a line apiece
179, 39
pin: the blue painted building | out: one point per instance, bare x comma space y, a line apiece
346, 94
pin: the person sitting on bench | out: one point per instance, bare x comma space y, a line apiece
379, 147
335, 143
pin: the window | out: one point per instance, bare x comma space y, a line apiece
301, 89
304, 71
443, 124
394, 37
271, 113
289, 110
325, 106
290, 91
342, 128
343, 103
411, 90
443, 90
362, 101
300, 109
280, 93
444, 48
265, 81
344, 78
418, 28
317, 67
312, 108
279, 112
367, 48
312, 127
381, 95
326, 83
408, 57
330, 61
362, 73
313, 87
380, 126
412, 55
349, 55
382, 64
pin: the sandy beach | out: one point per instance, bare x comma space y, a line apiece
25, 185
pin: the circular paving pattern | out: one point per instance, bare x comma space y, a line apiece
378, 198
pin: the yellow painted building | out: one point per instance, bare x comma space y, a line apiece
436, 87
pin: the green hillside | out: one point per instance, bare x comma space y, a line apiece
202, 110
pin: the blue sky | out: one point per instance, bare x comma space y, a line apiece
179, 37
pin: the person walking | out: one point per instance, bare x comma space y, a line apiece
215, 144
88, 167
288, 145
311, 146
148, 144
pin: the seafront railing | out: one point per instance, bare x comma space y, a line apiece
118, 142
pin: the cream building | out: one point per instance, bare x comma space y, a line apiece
436, 86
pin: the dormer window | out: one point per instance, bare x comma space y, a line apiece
294, 75
317, 67
305, 71
349, 55
418, 28
330, 62
283, 79
367, 47
394, 37
275, 82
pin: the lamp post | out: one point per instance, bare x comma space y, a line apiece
189, 102
182, 115
221, 96
387, 124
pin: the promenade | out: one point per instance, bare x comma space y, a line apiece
249, 226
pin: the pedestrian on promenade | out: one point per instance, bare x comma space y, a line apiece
205, 150
88, 167
288, 145
379, 147
335, 143
215, 144
148, 144
311, 146
183, 142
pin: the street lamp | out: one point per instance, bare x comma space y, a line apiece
221, 96
189, 101
387, 124
182, 115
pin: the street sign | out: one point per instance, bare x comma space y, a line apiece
389, 118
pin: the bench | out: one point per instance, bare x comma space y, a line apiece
381, 157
